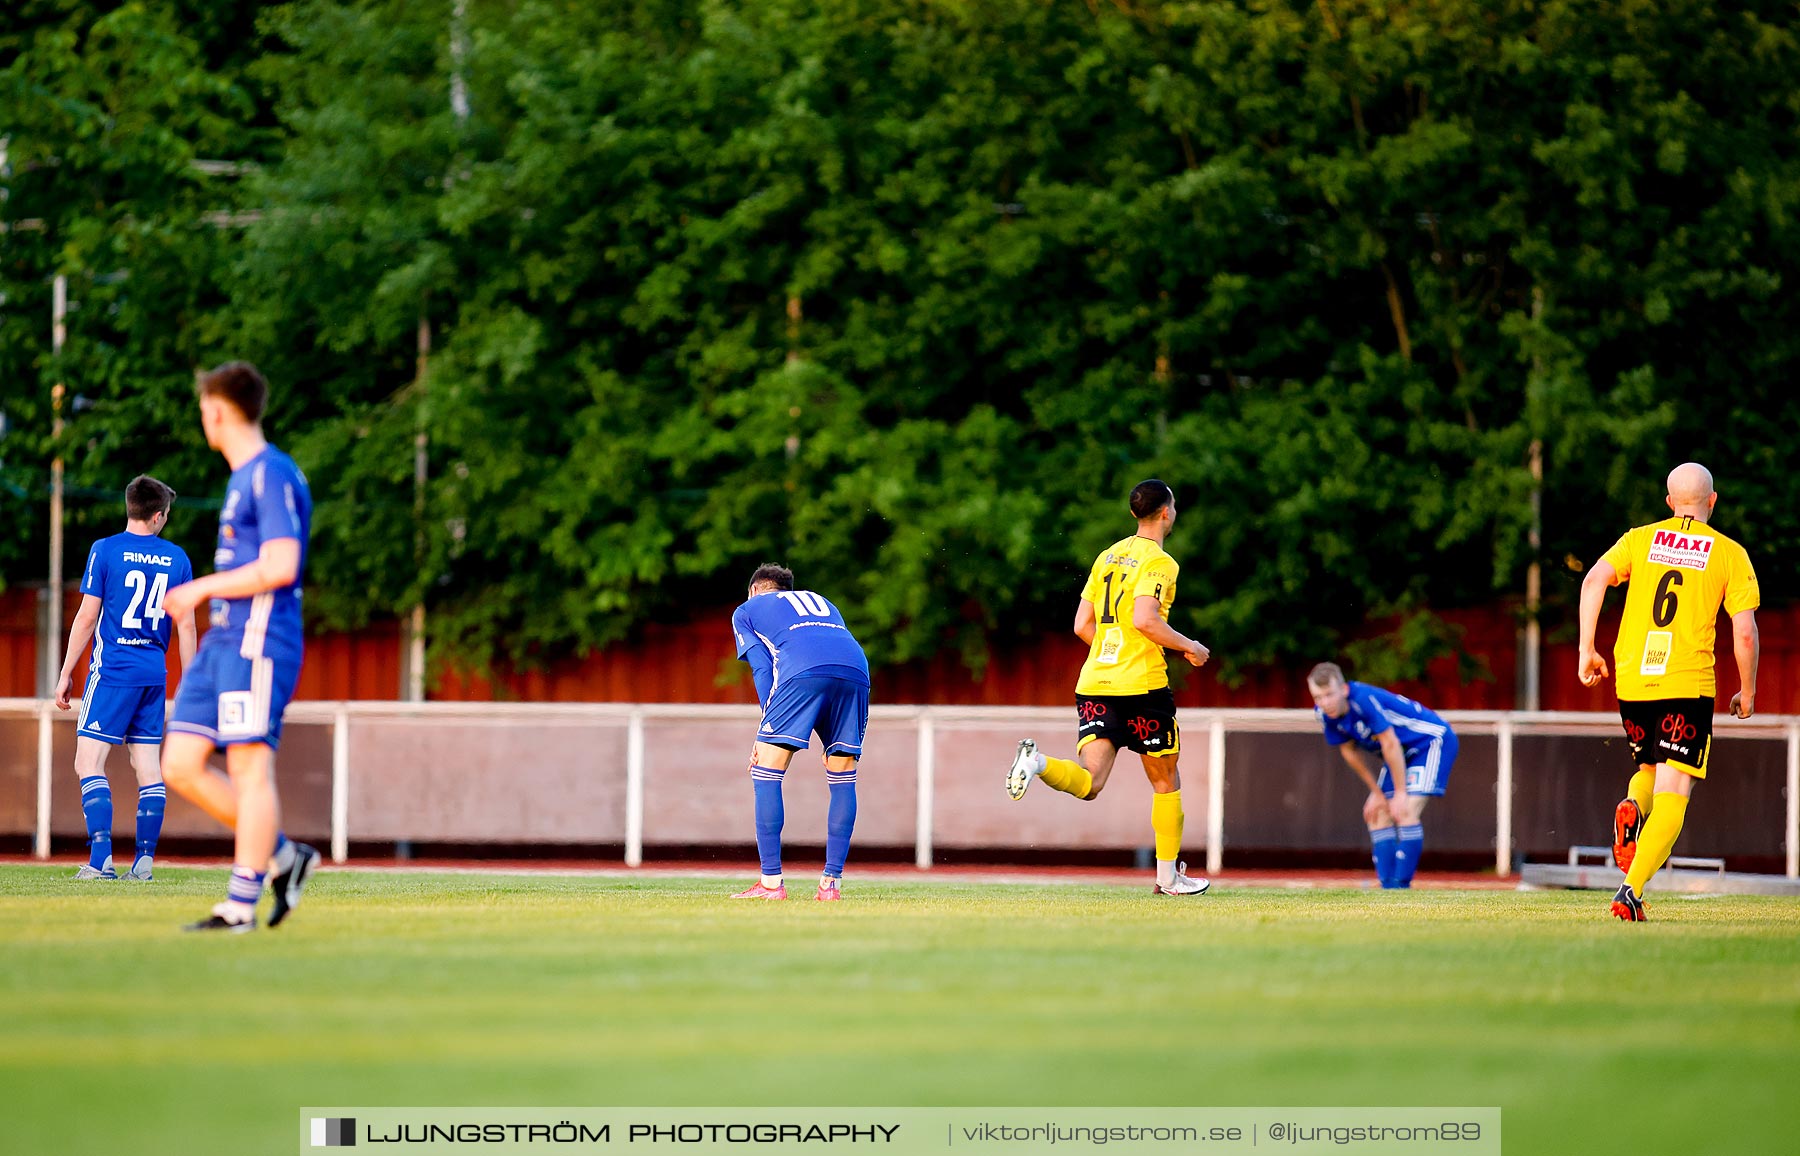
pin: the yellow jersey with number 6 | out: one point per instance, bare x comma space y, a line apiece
1121, 660
1681, 571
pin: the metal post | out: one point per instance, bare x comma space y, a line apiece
927, 792
53, 640
1793, 800
340, 784
1503, 800
40, 844
634, 790
1215, 797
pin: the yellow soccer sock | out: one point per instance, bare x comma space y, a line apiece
1067, 776
1642, 792
1657, 838
1166, 820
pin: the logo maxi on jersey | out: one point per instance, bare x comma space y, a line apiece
1687, 551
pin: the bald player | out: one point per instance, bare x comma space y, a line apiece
1680, 571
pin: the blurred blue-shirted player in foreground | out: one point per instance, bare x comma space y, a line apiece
122, 591
244, 674
811, 676
1412, 748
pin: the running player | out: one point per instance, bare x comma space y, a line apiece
811, 676
1122, 699
233, 697
1412, 750
122, 591
1680, 571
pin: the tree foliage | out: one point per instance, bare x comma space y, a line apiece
907, 295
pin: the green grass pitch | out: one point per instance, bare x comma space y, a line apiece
123, 1036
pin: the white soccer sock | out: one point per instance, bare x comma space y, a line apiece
1165, 872
771, 881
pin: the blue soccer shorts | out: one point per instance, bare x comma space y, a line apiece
231, 699
834, 708
1427, 768
120, 714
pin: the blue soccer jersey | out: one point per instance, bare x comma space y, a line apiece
130, 574
1372, 710
267, 499
797, 632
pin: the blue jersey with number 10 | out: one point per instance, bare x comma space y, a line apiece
129, 573
800, 633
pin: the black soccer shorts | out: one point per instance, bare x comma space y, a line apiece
1144, 723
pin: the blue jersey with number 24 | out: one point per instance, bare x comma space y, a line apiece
129, 573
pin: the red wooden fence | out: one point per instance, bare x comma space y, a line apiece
693, 662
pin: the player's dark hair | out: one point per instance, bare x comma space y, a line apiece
145, 497
1326, 674
239, 383
1149, 497
779, 576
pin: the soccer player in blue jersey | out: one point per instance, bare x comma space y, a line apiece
122, 591
1412, 749
233, 697
811, 677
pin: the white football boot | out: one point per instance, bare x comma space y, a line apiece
1182, 884
1026, 765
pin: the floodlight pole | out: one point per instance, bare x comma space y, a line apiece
414, 690
1530, 677
1534, 583
59, 309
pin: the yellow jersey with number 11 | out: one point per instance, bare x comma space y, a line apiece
1120, 659
1680, 571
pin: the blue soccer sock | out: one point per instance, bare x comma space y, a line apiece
96, 806
769, 817
246, 886
1406, 857
284, 855
1385, 841
840, 820
152, 800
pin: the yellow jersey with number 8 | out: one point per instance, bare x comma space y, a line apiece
1120, 659
1681, 571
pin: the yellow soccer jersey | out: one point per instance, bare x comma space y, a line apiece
1680, 571
1121, 660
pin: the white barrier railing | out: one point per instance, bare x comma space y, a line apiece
1505, 726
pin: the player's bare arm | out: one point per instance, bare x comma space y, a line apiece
1394, 755
80, 632
187, 637
1147, 620
1746, 646
1590, 667
277, 565
1084, 622
1363, 765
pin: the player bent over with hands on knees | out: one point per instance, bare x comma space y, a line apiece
1680, 572
1408, 745
123, 588
811, 677
233, 696
1122, 698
